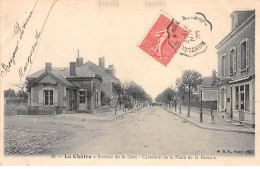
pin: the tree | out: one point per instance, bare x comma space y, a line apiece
188, 84
136, 91
166, 96
10, 93
118, 92
127, 92
22, 95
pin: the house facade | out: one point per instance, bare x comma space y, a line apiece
236, 67
209, 87
108, 76
60, 90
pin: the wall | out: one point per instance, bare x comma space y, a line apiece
248, 115
249, 33
36, 88
91, 102
98, 85
106, 85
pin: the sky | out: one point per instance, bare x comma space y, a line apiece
112, 32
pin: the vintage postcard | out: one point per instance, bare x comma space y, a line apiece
111, 82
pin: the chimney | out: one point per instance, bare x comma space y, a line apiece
111, 70
102, 62
238, 17
79, 60
72, 69
48, 66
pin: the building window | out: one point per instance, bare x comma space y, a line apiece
48, 97
242, 98
231, 61
82, 97
245, 54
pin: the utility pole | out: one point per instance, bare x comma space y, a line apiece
180, 107
201, 106
175, 103
189, 101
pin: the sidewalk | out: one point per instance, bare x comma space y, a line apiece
108, 114
219, 125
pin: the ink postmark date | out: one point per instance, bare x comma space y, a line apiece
197, 41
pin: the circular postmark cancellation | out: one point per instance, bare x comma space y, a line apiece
197, 40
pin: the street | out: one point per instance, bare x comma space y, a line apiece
148, 131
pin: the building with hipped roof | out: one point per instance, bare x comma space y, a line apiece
59, 90
74, 88
236, 67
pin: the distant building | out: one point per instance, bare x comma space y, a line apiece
10, 93
209, 87
236, 67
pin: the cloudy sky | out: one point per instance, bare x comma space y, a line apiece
112, 32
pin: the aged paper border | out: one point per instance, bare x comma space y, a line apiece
4, 160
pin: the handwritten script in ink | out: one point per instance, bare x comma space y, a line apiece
5, 68
20, 30
23, 69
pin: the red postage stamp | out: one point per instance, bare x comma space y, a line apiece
164, 39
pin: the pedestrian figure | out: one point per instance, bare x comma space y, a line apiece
212, 120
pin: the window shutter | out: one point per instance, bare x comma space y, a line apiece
235, 61
239, 57
40, 100
247, 53
55, 97
64, 91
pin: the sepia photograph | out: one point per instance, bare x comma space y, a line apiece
111, 82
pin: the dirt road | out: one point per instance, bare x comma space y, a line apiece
149, 131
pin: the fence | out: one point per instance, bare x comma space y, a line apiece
13, 106
15, 100
205, 104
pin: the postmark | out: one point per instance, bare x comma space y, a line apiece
164, 39
197, 41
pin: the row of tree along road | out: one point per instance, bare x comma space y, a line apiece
186, 92
128, 95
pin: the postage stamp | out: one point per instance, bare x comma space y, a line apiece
164, 39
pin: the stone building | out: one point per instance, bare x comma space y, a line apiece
236, 67
59, 90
